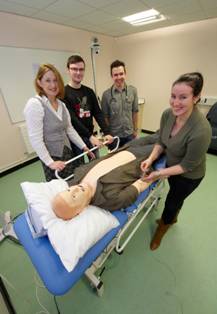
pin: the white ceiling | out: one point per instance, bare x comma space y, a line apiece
104, 16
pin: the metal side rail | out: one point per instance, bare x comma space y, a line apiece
84, 154
7, 229
153, 197
90, 273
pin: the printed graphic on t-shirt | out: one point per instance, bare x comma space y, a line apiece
81, 108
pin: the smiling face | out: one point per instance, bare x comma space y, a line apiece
182, 100
49, 84
71, 202
119, 76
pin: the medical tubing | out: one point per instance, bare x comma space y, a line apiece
83, 154
17, 292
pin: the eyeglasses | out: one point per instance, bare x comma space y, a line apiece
76, 69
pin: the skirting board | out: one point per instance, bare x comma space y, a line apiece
12, 169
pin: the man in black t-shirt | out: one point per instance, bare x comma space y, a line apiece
82, 104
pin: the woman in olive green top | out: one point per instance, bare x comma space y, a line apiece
185, 135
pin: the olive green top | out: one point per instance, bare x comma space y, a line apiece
189, 146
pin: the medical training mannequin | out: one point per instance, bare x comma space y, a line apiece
184, 138
111, 182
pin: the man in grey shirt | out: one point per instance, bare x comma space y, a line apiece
120, 105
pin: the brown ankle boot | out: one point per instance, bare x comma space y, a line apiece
159, 233
175, 220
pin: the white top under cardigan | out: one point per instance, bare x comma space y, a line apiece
34, 114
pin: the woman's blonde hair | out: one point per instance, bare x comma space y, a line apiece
44, 68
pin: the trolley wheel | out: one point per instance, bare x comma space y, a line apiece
120, 252
100, 289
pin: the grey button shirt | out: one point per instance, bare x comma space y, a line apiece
118, 107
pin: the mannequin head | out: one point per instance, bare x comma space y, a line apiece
71, 202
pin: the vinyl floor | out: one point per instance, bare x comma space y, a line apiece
178, 278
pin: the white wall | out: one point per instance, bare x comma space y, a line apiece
17, 31
156, 58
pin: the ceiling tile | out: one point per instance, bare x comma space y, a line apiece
104, 16
99, 3
210, 12
97, 18
119, 25
158, 3
38, 4
181, 8
208, 4
124, 8
10, 7
85, 26
50, 17
70, 8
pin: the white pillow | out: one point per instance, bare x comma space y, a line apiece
39, 213
71, 239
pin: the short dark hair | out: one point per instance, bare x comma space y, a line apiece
192, 79
116, 64
74, 59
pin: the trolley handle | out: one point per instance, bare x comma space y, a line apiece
83, 154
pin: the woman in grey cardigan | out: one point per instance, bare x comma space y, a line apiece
48, 123
184, 137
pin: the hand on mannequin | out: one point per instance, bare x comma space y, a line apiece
146, 164
109, 138
95, 141
153, 176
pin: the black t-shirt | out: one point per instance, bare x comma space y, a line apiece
83, 106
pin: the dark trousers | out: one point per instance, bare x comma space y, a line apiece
68, 170
180, 189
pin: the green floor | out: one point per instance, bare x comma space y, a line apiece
179, 278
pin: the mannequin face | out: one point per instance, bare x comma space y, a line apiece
69, 203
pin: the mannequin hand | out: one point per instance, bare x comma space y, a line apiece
109, 138
57, 165
146, 164
95, 141
153, 176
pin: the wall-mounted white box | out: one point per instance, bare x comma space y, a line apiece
208, 100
